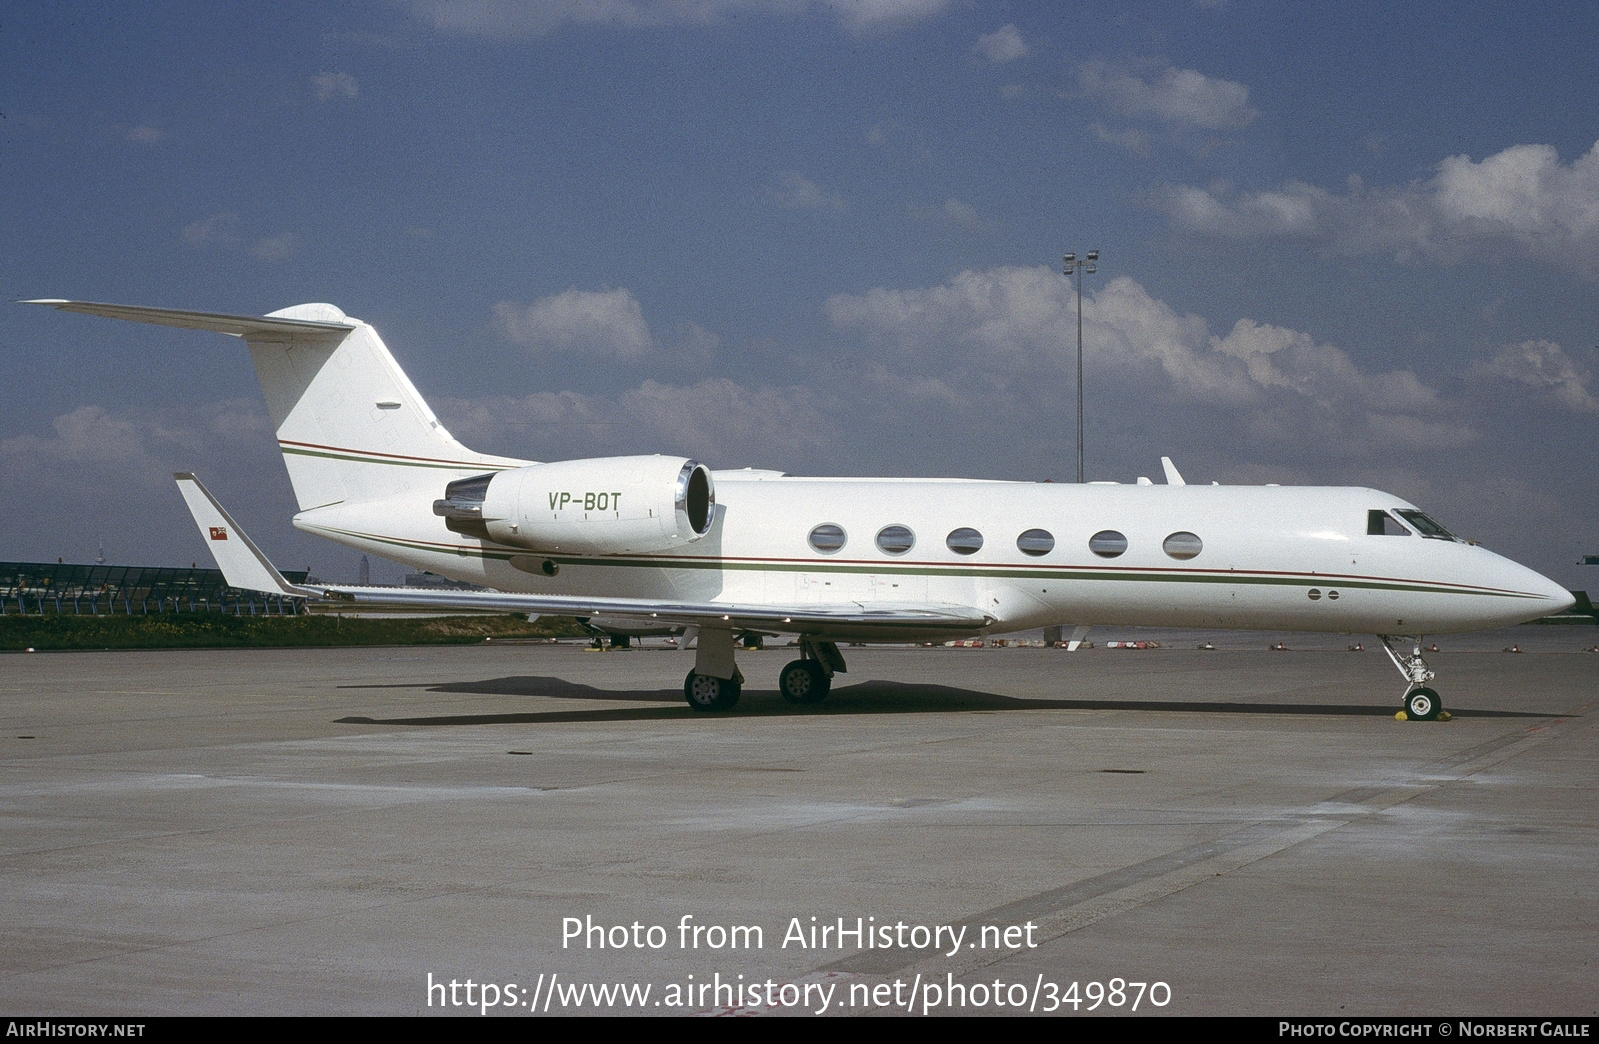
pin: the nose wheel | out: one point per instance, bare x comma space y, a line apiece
1421, 702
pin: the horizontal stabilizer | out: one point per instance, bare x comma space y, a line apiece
235, 325
242, 563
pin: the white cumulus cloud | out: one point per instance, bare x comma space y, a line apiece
329, 85
794, 191
1546, 366
1004, 44
275, 248
720, 421
591, 322
1004, 332
956, 213
222, 232
885, 14
541, 17
1170, 95
110, 473
1134, 141
1523, 198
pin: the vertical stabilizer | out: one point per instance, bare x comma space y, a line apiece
351, 425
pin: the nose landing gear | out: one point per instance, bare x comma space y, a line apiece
1420, 702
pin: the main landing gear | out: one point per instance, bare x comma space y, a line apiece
810, 678
715, 683
706, 692
1420, 702
804, 681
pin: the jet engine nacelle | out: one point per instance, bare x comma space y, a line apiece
607, 505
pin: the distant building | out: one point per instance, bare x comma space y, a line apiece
54, 587
364, 577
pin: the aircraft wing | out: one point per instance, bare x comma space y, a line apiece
854, 616
244, 566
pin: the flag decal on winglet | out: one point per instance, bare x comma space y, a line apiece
218, 533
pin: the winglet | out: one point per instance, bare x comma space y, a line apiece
242, 563
1173, 478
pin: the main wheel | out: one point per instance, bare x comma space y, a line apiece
1423, 703
705, 693
804, 681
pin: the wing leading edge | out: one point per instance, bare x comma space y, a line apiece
244, 566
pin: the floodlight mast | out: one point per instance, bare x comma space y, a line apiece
1077, 266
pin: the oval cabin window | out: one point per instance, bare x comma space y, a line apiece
1107, 543
964, 541
1036, 542
1183, 546
827, 538
895, 540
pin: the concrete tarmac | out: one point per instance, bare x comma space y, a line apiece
319, 831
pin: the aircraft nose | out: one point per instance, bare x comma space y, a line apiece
1558, 598
1563, 599
1528, 595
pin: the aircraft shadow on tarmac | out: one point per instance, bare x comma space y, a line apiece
872, 697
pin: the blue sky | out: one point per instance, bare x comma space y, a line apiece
1343, 244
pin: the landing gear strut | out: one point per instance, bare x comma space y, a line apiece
715, 682
1420, 702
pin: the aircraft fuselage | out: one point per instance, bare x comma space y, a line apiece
1247, 557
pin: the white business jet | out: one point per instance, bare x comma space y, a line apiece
654, 541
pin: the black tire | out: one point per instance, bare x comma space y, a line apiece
1423, 704
804, 681
705, 693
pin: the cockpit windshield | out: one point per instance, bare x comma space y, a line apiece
1424, 525
1381, 523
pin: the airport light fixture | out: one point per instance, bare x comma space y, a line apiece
1077, 266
